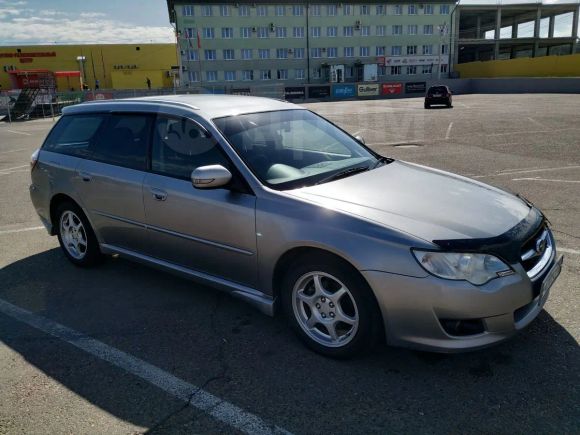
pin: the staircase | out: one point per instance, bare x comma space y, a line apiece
24, 104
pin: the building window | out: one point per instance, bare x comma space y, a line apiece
412, 29
280, 32
396, 50
427, 49
189, 32
428, 10
348, 72
299, 53
396, 70
298, 32
397, 10
364, 51
331, 31
297, 10
225, 10
382, 70
315, 32
211, 76
208, 33
411, 50
262, 11
282, 53
443, 68
316, 52
380, 51
227, 33
348, 51
427, 69
247, 53
187, 11
206, 11
444, 9
230, 76
265, 74
331, 10
381, 10
411, 70
315, 10
193, 76
428, 29
412, 9
348, 31
263, 32
316, 73
248, 74
332, 52
347, 10
229, 54
280, 10
397, 29
365, 31
210, 55
245, 32
444, 49
264, 53
381, 30
299, 74
244, 11
365, 10
282, 74
192, 55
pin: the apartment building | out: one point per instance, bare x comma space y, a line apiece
310, 42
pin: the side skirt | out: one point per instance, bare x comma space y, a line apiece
260, 300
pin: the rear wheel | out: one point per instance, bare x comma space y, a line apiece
76, 237
330, 306
427, 106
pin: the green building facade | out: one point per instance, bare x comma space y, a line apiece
300, 42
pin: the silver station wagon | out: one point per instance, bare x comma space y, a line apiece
278, 206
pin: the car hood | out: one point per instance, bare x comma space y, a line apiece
425, 202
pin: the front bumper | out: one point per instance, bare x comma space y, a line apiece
414, 309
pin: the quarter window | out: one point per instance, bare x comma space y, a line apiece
72, 135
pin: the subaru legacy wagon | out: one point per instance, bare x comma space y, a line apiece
276, 205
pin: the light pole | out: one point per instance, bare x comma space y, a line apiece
81, 60
442, 28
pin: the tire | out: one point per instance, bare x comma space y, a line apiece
427, 106
79, 245
357, 305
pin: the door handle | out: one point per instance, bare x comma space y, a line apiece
85, 176
159, 194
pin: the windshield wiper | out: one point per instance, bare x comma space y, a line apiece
344, 174
382, 160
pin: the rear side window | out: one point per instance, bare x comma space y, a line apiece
74, 134
123, 141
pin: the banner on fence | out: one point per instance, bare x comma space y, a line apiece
368, 90
319, 92
343, 91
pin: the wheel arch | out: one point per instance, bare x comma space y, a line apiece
55, 201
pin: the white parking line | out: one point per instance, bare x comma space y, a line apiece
545, 179
19, 132
568, 251
14, 167
536, 122
21, 230
448, 130
527, 171
13, 151
194, 396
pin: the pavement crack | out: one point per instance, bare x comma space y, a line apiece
569, 235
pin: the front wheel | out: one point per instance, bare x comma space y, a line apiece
330, 306
427, 106
76, 237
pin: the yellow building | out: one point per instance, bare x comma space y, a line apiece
114, 66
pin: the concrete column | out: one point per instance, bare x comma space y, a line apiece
537, 32
575, 30
551, 27
478, 27
498, 23
514, 28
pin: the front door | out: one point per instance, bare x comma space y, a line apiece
210, 231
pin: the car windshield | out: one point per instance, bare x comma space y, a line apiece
438, 90
295, 148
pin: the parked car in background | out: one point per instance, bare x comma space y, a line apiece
278, 206
439, 94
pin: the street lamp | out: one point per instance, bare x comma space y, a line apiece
81, 60
442, 28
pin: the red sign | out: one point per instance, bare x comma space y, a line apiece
26, 60
391, 88
36, 54
381, 60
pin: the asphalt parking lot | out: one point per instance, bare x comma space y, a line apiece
126, 349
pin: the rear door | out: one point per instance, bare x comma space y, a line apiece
211, 231
111, 180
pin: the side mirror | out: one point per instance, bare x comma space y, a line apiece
360, 138
210, 177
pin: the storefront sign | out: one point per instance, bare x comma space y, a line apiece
241, 91
368, 90
295, 93
415, 87
391, 88
343, 91
416, 60
319, 92
125, 66
381, 60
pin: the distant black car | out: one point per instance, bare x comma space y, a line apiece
438, 95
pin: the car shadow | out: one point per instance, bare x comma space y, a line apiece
226, 347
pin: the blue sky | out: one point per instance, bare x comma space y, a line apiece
83, 21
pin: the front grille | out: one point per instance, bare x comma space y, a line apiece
537, 252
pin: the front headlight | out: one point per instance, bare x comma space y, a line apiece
475, 268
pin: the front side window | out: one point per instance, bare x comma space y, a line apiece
73, 134
180, 146
293, 148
